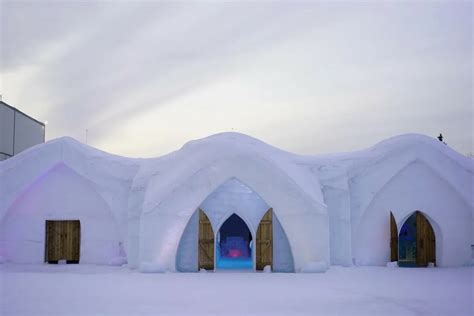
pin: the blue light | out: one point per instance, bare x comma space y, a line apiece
241, 263
234, 245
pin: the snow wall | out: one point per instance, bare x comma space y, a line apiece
60, 194
64, 180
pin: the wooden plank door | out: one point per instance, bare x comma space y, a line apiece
71, 242
206, 243
393, 239
264, 242
425, 241
63, 241
53, 241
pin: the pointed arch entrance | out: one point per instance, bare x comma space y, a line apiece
416, 242
302, 215
234, 247
234, 206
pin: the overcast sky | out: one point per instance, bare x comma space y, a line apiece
308, 77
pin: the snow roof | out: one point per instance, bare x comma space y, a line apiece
196, 154
103, 168
107, 173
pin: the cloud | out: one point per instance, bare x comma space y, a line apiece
306, 77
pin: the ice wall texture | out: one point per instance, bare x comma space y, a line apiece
232, 197
339, 210
187, 256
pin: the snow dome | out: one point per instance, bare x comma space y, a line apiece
230, 201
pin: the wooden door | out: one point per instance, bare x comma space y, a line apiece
264, 242
53, 241
425, 241
393, 239
63, 241
206, 243
72, 241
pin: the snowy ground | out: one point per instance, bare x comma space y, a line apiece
100, 290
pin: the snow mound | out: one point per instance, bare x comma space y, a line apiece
118, 261
267, 269
393, 264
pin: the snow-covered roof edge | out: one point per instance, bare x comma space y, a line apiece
232, 143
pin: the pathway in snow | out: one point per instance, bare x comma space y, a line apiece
100, 290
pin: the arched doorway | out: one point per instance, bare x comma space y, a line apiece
234, 245
201, 240
416, 242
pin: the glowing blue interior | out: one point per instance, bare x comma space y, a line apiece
234, 245
407, 243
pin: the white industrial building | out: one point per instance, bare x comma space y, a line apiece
231, 201
18, 131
